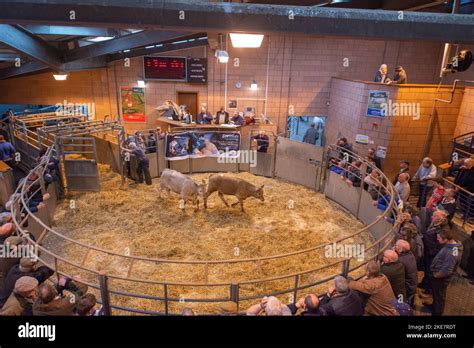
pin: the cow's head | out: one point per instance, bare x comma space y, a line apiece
259, 194
201, 189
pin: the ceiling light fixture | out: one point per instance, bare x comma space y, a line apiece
221, 55
246, 40
100, 38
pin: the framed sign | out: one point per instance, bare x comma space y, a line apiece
133, 104
377, 105
362, 139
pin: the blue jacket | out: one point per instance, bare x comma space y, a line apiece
7, 151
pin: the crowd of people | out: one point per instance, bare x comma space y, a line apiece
425, 236
219, 118
399, 78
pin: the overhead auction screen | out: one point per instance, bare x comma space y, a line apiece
165, 68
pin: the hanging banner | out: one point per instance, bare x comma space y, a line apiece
196, 144
133, 104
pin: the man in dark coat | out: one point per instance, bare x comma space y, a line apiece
143, 164
263, 141
438, 223
443, 267
222, 116
404, 168
10, 260
341, 300
395, 272
408, 260
311, 135
400, 76
309, 304
26, 267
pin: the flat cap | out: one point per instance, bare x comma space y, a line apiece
25, 284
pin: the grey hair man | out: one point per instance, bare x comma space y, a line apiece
340, 300
270, 306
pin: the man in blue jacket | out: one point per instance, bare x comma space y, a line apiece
7, 151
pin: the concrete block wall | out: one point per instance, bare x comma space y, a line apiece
403, 135
465, 121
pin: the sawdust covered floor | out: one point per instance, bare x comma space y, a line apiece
134, 221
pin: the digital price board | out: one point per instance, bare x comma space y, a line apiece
165, 68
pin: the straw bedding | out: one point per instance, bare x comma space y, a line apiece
133, 221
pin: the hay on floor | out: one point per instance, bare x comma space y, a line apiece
133, 220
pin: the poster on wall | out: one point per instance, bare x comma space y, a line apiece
133, 104
381, 152
362, 139
378, 101
196, 144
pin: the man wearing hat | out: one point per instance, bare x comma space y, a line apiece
404, 168
400, 76
20, 302
10, 258
26, 267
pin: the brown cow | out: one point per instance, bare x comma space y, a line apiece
239, 188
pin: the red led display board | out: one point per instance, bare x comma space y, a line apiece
165, 68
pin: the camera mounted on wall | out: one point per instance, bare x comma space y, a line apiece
459, 63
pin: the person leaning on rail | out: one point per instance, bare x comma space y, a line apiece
340, 300
377, 287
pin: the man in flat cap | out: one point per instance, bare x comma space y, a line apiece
400, 76
26, 267
20, 302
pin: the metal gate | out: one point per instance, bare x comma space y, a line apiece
78, 163
299, 162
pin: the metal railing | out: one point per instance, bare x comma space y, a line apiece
104, 282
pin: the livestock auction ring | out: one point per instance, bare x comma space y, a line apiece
143, 254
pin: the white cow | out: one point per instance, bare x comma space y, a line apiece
172, 180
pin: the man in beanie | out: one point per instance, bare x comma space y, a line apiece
10, 258
20, 302
26, 267
59, 300
400, 76
143, 164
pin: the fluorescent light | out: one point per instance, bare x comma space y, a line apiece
141, 83
222, 56
100, 38
246, 40
254, 85
60, 77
